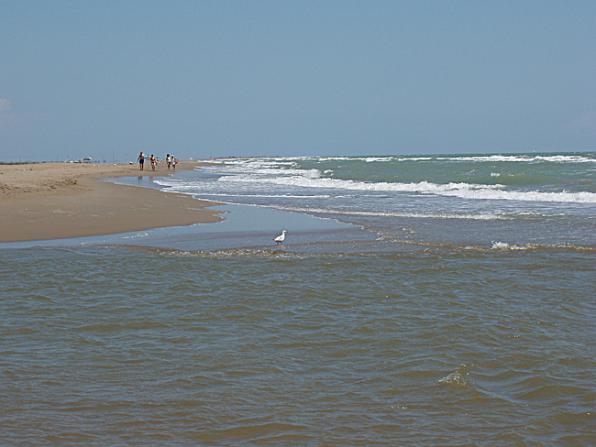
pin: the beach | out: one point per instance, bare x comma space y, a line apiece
62, 200
380, 228
417, 300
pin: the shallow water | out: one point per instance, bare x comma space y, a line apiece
546, 200
440, 300
143, 346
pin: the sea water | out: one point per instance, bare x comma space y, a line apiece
427, 300
523, 200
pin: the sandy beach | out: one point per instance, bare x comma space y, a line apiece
62, 200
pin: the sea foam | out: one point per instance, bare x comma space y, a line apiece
462, 190
559, 158
521, 158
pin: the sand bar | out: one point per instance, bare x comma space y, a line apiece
63, 200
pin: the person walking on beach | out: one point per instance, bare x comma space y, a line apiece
153, 162
141, 161
169, 161
174, 162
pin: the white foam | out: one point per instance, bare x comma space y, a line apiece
302, 181
266, 196
136, 235
524, 196
312, 179
370, 159
504, 246
392, 214
413, 159
457, 377
462, 190
365, 159
375, 159
177, 185
292, 160
522, 158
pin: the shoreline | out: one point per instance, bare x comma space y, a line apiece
62, 200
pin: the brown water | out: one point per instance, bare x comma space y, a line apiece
126, 346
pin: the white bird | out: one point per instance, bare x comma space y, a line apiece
281, 238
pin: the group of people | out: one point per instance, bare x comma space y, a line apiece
171, 161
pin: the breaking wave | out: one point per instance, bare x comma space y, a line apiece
504, 246
486, 216
462, 190
558, 158
522, 158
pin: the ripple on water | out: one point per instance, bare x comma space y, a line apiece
457, 377
155, 347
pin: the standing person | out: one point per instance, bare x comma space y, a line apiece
153, 162
169, 161
174, 162
141, 161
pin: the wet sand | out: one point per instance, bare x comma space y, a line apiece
62, 200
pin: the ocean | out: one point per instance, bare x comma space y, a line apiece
418, 300
523, 201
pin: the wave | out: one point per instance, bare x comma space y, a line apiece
486, 216
462, 190
522, 158
177, 185
505, 246
457, 377
267, 196
310, 182
369, 159
136, 235
525, 196
276, 161
265, 160
365, 159
413, 159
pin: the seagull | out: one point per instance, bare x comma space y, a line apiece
281, 238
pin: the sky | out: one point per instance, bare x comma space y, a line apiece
220, 78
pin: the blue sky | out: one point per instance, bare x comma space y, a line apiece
214, 78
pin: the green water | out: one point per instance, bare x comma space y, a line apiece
508, 170
140, 346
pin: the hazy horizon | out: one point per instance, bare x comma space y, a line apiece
225, 78
190, 157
